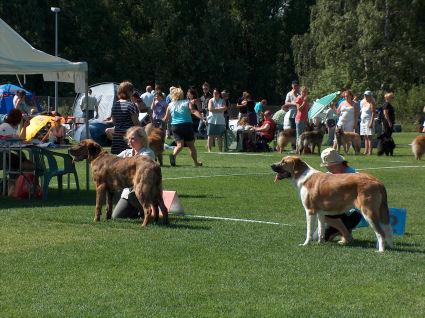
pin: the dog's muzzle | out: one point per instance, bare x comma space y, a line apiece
79, 154
280, 172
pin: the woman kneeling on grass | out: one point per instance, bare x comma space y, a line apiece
180, 110
346, 221
128, 206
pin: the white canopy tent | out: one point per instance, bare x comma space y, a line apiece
18, 57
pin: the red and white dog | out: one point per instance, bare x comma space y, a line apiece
328, 194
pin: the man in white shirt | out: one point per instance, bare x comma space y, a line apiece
289, 120
92, 105
147, 97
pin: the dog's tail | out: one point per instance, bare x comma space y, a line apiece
384, 218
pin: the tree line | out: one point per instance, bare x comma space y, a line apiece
260, 46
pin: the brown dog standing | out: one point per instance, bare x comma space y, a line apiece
112, 174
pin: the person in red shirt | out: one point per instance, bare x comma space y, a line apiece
301, 118
266, 131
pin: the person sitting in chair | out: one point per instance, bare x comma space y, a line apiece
265, 132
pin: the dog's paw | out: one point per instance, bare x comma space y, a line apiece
305, 243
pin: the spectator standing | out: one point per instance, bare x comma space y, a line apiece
389, 114
423, 129
192, 96
91, 103
250, 105
259, 110
225, 96
124, 115
348, 113
206, 96
20, 103
216, 120
367, 119
290, 101
330, 119
179, 111
241, 105
147, 97
159, 107
301, 118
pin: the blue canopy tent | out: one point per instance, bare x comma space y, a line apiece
7, 92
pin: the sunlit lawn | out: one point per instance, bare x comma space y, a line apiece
56, 263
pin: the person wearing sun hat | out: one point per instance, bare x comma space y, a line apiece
336, 164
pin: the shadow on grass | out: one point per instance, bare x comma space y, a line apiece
55, 198
398, 247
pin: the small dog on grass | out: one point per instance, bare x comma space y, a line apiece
386, 145
284, 138
311, 139
347, 139
418, 147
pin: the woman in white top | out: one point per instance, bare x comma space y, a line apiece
367, 118
348, 113
128, 206
216, 120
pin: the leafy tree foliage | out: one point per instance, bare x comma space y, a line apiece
234, 44
377, 45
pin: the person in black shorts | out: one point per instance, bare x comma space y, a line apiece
180, 111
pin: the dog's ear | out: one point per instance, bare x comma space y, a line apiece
93, 150
299, 165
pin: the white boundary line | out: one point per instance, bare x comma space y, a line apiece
234, 219
219, 175
239, 154
268, 173
394, 167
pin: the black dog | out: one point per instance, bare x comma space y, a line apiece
385, 145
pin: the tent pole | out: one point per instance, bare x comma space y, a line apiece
87, 130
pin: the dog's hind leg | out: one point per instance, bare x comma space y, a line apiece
147, 214
384, 214
164, 210
109, 197
375, 224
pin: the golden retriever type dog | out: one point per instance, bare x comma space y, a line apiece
309, 140
156, 139
418, 147
112, 174
328, 194
284, 138
346, 139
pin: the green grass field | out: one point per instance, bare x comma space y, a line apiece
55, 262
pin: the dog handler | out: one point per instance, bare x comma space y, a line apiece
335, 164
128, 206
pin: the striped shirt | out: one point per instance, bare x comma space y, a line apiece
121, 114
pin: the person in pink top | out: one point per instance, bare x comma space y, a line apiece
301, 118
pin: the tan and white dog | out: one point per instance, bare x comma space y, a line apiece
328, 194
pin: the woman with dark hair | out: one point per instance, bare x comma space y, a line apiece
192, 96
124, 115
10, 129
179, 111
